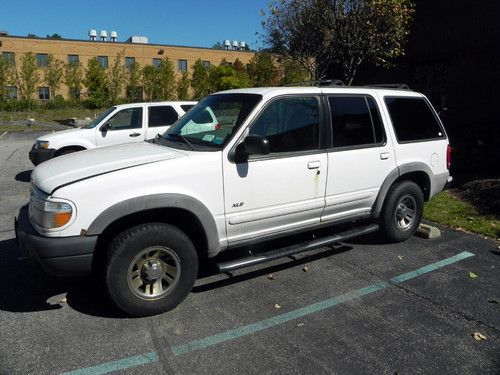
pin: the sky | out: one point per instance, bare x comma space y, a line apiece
191, 22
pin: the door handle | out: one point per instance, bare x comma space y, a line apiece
314, 164
384, 155
134, 134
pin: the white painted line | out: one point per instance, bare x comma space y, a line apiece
1, 136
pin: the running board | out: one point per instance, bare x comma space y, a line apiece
295, 249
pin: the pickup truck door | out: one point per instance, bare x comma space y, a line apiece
160, 118
283, 191
361, 158
125, 126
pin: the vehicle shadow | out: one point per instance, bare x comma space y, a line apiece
24, 176
26, 288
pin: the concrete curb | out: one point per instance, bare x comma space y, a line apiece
428, 232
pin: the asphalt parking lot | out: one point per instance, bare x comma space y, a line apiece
362, 307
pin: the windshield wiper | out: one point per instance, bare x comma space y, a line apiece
184, 139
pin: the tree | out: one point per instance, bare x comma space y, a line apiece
166, 80
217, 45
29, 76
183, 87
54, 74
31, 36
292, 72
134, 88
96, 82
200, 80
262, 71
116, 78
5, 77
150, 82
73, 77
54, 36
226, 77
317, 33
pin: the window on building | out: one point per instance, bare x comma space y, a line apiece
73, 59
42, 59
103, 60
11, 92
206, 64
129, 61
355, 121
413, 119
290, 124
162, 116
182, 65
9, 58
43, 93
74, 93
156, 62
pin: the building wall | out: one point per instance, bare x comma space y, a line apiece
143, 53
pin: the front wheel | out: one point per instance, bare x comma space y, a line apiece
402, 211
151, 268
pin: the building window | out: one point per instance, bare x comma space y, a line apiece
42, 59
129, 61
156, 62
74, 93
206, 64
182, 65
9, 58
73, 59
43, 93
11, 92
103, 60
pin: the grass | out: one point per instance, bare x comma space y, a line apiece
23, 128
48, 115
447, 209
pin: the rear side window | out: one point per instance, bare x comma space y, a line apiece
186, 107
355, 121
162, 116
413, 119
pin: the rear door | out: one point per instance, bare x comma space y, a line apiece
360, 158
160, 118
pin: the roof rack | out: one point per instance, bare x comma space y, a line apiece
398, 86
319, 83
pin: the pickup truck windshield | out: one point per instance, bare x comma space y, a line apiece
99, 118
210, 124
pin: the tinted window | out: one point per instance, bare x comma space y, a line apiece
129, 61
156, 62
182, 65
9, 58
130, 118
162, 116
290, 124
11, 92
103, 60
42, 59
355, 121
43, 93
413, 119
73, 59
187, 107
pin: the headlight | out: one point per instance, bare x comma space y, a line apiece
42, 144
48, 214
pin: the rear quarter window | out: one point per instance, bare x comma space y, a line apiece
413, 119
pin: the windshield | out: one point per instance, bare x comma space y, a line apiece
99, 118
210, 124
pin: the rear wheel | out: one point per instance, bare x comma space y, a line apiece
402, 211
151, 268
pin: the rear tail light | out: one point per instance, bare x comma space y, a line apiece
448, 157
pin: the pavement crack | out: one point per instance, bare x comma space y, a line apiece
13, 152
436, 304
159, 348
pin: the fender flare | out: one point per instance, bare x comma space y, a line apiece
148, 202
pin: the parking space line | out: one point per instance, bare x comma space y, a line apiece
1, 136
270, 322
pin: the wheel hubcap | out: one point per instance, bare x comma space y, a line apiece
153, 272
404, 215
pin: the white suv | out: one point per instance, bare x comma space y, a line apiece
278, 161
126, 123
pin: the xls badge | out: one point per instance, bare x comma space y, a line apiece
237, 205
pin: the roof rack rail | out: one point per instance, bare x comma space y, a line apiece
398, 86
319, 83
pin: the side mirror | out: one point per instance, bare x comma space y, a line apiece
105, 127
256, 145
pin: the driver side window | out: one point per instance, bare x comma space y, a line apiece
130, 118
290, 124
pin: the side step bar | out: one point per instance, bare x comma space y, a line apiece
295, 249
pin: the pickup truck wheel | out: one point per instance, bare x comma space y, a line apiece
151, 268
402, 211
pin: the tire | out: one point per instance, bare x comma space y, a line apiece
150, 269
402, 211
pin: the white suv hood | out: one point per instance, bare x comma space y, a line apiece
84, 164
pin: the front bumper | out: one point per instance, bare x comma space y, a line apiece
39, 155
58, 256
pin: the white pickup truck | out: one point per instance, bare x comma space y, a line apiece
126, 123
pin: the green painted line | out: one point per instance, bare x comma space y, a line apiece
276, 320
120, 364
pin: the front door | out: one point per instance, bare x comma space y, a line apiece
125, 126
284, 190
